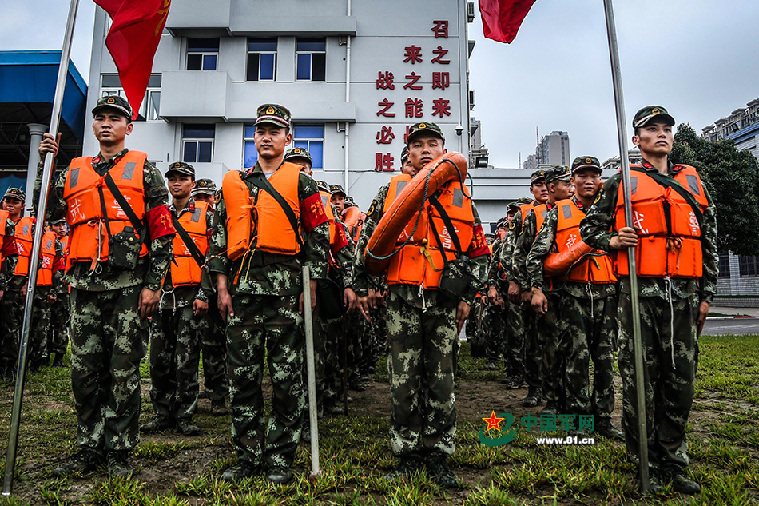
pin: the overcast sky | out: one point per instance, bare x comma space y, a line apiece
698, 58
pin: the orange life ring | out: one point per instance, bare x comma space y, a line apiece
557, 264
448, 167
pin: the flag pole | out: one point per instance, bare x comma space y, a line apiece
55, 118
616, 76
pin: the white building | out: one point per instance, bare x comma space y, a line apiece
354, 73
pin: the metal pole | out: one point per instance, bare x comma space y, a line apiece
55, 117
309, 328
616, 75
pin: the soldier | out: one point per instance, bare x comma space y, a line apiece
300, 157
586, 305
260, 292
58, 340
179, 327
214, 342
121, 235
676, 255
8, 258
423, 322
496, 306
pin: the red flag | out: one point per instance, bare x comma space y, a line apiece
501, 19
133, 40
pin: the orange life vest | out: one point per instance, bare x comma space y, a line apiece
243, 215
89, 236
420, 262
24, 235
184, 269
3, 232
47, 259
597, 269
526, 209
540, 216
669, 236
354, 220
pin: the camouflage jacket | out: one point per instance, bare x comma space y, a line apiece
267, 274
542, 246
522, 246
9, 263
597, 229
344, 257
150, 269
496, 270
412, 294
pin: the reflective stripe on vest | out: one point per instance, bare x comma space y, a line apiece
184, 269
89, 237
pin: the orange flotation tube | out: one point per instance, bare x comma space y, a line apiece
350, 216
448, 167
557, 264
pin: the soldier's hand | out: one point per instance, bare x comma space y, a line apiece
2, 292
224, 303
539, 301
48, 144
703, 311
514, 292
23, 290
349, 299
462, 313
313, 297
148, 302
199, 307
363, 307
526, 297
492, 294
51, 299
625, 238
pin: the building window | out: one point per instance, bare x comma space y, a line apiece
202, 54
197, 143
311, 56
250, 155
311, 137
151, 102
262, 59
724, 265
749, 265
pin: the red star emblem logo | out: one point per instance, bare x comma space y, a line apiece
493, 422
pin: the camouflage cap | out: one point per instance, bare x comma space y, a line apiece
206, 186
59, 220
558, 173
585, 162
336, 188
649, 113
323, 186
273, 113
293, 153
404, 154
349, 202
503, 223
114, 102
523, 200
181, 168
424, 128
537, 176
15, 193
513, 206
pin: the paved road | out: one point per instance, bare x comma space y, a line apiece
717, 326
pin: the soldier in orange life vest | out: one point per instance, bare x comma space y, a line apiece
179, 327
116, 204
8, 258
423, 323
58, 336
269, 221
675, 240
587, 307
12, 303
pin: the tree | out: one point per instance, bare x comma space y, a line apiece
732, 180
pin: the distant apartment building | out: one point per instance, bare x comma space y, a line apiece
742, 127
553, 149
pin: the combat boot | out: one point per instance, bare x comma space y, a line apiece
187, 428
118, 464
240, 470
533, 398
83, 461
157, 424
551, 408
606, 429
681, 483
219, 407
406, 467
440, 473
58, 360
279, 475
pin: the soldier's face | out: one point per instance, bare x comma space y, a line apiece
13, 206
586, 183
59, 229
561, 190
180, 186
424, 149
270, 140
655, 139
206, 197
407, 168
305, 165
539, 191
111, 127
338, 200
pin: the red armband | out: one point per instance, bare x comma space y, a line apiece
340, 240
9, 246
59, 263
160, 223
312, 212
479, 244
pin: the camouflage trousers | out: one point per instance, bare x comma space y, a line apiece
40, 327
588, 326
329, 339
670, 349
214, 352
274, 322
494, 326
421, 366
514, 339
58, 337
11, 319
175, 339
549, 327
106, 349
378, 329
533, 346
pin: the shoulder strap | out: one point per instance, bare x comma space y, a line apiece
448, 224
668, 182
264, 184
194, 251
111, 184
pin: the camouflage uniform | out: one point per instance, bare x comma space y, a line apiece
517, 315
668, 311
11, 305
106, 330
265, 300
497, 322
58, 336
588, 316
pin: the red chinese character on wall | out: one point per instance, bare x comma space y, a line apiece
405, 136
441, 29
413, 54
411, 85
441, 108
384, 162
441, 80
414, 107
386, 135
440, 52
385, 81
385, 106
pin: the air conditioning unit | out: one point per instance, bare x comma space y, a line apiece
470, 11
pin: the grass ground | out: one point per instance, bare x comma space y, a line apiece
176, 470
